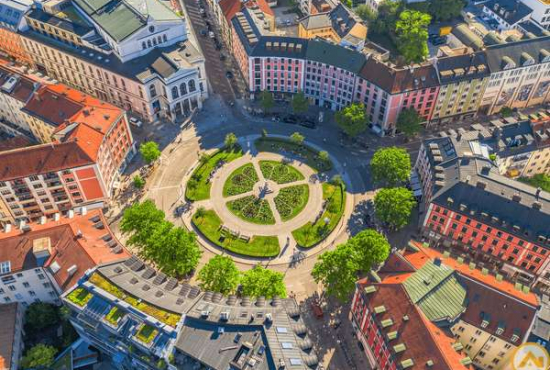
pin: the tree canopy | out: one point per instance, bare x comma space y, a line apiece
297, 138
266, 100
337, 269
393, 206
219, 275
300, 103
388, 13
409, 122
445, 10
230, 140
40, 356
352, 119
138, 182
390, 166
261, 281
412, 35
41, 315
365, 13
149, 151
173, 249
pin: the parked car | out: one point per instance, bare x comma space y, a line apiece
290, 119
136, 122
439, 41
307, 123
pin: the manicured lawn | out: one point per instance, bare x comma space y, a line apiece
259, 246
80, 296
240, 181
291, 200
278, 145
164, 316
114, 315
146, 334
198, 187
538, 181
312, 233
279, 172
252, 209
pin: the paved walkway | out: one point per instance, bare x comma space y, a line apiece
282, 229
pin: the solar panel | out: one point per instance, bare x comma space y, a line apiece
148, 273
184, 290
130, 261
161, 278
138, 265
111, 243
172, 283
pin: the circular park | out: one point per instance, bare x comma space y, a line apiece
257, 202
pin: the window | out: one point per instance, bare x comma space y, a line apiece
11, 288
5, 267
32, 293
183, 89
41, 277
175, 93
192, 86
25, 284
152, 91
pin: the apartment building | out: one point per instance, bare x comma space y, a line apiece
541, 12
507, 14
463, 79
479, 319
140, 318
39, 261
520, 75
11, 336
15, 92
473, 210
134, 64
11, 21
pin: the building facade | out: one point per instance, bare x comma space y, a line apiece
11, 21
11, 336
15, 92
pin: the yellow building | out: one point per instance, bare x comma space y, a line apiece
339, 25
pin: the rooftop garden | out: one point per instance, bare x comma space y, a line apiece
80, 297
146, 334
114, 315
164, 316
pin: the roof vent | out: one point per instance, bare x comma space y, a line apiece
205, 313
70, 214
516, 198
7, 228
56, 216
72, 270
42, 220
481, 184
83, 211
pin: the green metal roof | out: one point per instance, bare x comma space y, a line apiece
437, 292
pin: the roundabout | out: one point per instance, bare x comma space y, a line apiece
264, 203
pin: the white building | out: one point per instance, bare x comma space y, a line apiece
508, 14
541, 12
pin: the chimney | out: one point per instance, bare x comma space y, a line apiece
7, 228
481, 184
72, 270
56, 216
42, 250
42, 220
70, 214
83, 211
22, 224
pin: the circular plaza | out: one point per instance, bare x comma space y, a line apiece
264, 197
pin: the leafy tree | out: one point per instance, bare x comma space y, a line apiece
261, 281
365, 13
266, 100
445, 10
390, 166
323, 155
408, 122
41, 315
220, 274
230, 140
412, 35
39, 356
393, 206
371, 248
203, 158
506, 112
138, 182
149, 151
140, 220
174, 250
300, 103
337, 271
388, 13
297, 138
352, 119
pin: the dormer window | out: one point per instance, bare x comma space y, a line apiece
5, 267
152, 29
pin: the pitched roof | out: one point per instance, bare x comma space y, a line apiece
323, 51
314, 21
8, 313
230, 8
77, 241
512, 11
537, 48
41, 159
77, 28
21, 90
51, 106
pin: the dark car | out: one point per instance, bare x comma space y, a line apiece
290, 119
307, 123
439, 41
229, 74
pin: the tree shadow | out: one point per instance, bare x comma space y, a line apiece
359, 220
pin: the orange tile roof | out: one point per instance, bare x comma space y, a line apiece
230, 8
88, 139
445, 344
262, 4
74, 241
418, 259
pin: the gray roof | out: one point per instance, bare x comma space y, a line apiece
320, 50
73, 27
535, 48
274, 46
464, 67
314, 21
343, 19
512, 11
182, 54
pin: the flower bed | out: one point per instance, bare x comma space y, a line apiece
253, 210
310, 234
209, 225
279, 172
284, 146
240, 181
291, 200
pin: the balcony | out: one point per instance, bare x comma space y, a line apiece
53, 183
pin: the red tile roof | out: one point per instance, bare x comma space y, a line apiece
74, 241
423, 341
41, 159
51, 107
231, 7
262, 4
22, 90
88, 139
14, 143
8, 313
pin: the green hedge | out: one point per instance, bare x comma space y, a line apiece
309, 155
